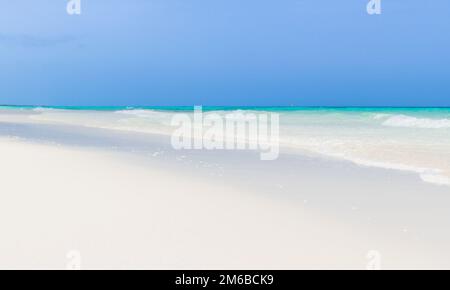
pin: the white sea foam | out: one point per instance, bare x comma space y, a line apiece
413, 122
381, 116
426, 174
435, 178
138, 112
43, 109
426, 156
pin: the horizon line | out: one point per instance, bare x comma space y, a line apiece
225, 106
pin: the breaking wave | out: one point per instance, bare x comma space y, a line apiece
414, 122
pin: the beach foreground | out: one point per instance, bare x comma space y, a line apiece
116, 199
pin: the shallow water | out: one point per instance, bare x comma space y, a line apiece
411, 139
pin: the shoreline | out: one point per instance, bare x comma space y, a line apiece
226, 209
429, 175
389, 149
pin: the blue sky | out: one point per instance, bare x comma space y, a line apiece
225, 52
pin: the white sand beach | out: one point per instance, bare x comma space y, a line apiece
127, 200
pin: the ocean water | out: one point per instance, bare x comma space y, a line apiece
409, 139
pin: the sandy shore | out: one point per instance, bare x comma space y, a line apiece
122, 200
